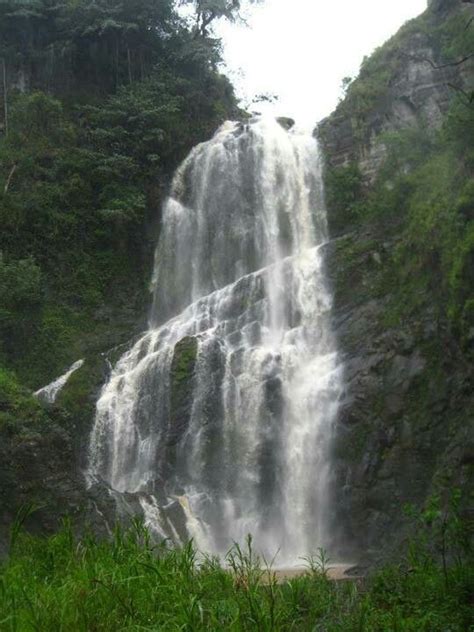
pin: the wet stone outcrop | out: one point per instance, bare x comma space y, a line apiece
182, 383
286, 122
43, 457
39, 472
405, 426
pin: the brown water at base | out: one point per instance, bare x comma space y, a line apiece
336, 572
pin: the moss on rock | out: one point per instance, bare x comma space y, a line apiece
77, 400
181, 389
184, 360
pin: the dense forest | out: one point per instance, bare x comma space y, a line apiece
100, 102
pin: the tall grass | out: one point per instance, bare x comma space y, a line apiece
66, 584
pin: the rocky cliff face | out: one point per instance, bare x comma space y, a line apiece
406, 427
408, 82
42, 450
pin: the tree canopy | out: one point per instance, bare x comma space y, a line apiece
104, 99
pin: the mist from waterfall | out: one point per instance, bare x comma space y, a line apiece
227, 404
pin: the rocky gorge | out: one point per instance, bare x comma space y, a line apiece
404, 429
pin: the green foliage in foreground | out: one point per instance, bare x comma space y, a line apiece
130, 583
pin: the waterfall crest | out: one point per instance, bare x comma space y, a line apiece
226, 405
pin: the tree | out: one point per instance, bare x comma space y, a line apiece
208, 11
105, 98
20, 289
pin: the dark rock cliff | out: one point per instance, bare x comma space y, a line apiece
42, 458
405, 430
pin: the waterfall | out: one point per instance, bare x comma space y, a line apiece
226, 405
48, 394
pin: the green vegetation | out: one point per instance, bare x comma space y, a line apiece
181, 388
132, 583
16, 403
104, 100
77, 401
20, 283
367, 97
424, 195
184, 359
344, 195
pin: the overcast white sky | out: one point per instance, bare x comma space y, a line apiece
300, 50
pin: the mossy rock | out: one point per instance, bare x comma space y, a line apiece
181, 387
286, 122
17, 405
77, 400
184, 361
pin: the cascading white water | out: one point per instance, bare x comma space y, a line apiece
49, 393
227, 403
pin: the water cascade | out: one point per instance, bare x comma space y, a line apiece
48, 394
225, 407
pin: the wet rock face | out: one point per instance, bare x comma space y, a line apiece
416, 92
286, 122
42, 461
181, 387
39, 468
405, 425
403, 429
446, 5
